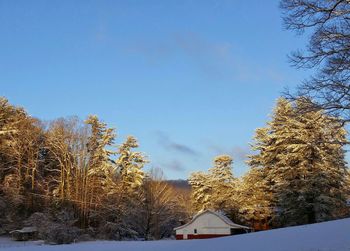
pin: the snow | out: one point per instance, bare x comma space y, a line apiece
7, 242
327, 236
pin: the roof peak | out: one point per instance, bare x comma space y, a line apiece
219, 214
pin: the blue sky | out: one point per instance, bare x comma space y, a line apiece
190, 79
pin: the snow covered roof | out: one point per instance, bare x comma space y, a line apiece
220, 215
25, 230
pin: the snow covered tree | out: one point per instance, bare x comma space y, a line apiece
100, 171
201, 190
269, 149
254, 199
119, 219
348, 183
9, 116
129, 164
303, 157
21, 163
214, 190
100, 139
222, 183
66, 141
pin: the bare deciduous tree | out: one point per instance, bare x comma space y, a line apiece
160, 207
328, 52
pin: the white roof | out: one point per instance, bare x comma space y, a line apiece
221, 216
25, 230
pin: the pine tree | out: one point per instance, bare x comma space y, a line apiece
214, 190
100, 171
254, 199
201, 190
130, 164
124, 198
222, 183
303, 158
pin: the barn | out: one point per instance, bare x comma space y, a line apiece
209, 224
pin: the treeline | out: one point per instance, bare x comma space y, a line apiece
298, 172
67, 178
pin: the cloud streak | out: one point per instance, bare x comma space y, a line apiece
215, 59
175, 165
238, 153
172, 165
165, 141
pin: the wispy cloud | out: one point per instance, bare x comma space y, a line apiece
165, 141
211, 57
215, 59
175, 165
172, 165
238, 153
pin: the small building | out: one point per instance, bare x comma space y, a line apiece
209, 224
25, 234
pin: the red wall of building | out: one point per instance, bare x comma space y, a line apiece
200, 236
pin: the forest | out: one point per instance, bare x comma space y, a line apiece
67, 178
66, 175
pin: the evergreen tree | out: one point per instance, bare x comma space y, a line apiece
201, 190
124, 197
100, 171
130, 164
222, 183
214, 190
253, 199
303, 158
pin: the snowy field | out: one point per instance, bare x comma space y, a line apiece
328, 236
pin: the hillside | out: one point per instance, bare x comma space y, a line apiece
182, 184
327, 236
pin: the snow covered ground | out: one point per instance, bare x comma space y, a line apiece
327, 236
6, 242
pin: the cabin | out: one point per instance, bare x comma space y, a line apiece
209, 224
25, 234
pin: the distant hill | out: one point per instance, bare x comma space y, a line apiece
183, 184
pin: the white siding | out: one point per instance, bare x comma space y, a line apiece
206, 223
